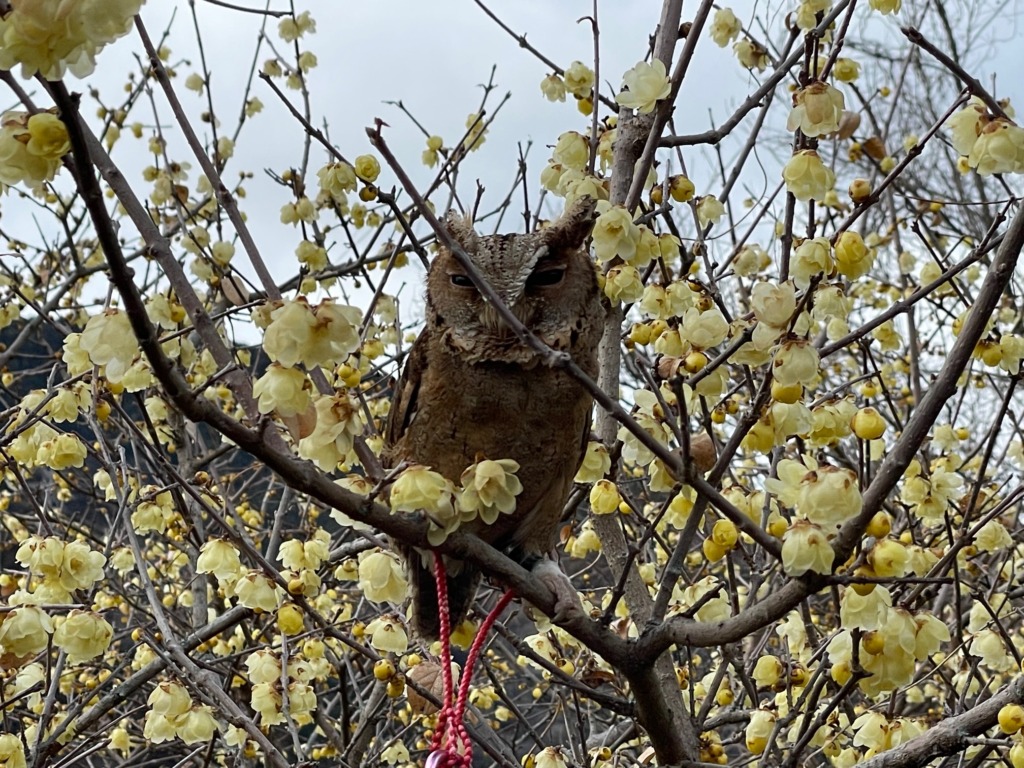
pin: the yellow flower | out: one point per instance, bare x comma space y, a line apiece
868, 424
489, 488
811, 258
644, 85
585, 542
966, 125
709, 210
853, 257
725, 27
767, 671
553, 88
572, 150
338, 421
297, 554
335, 180
750, 54
110, 342
12, 752
807, 177
817, 110
255, 590
885, 7
615, 234
773, 304
83, 635
81, 566
846, 70
48, 136
263, 666
805, 548
888, 558
604, 497
387, 634
367, 168
25, 631
796, 362
267, 702
42, 557
623, 284
420, 488
197, 725
281, 389
595, 465
291, 29
301, 210
381, 578
550, 757
999, 149
704, 330
829, 496
579, 79
759, 730
219, 557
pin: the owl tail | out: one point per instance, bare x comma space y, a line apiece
462, 580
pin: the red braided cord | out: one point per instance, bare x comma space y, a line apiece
450, 730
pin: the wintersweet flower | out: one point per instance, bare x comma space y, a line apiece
853, 257
255, 590
774, 305
110, 342
12, 751
885, 7
829, 496
595, 465
750, 54
197, 726
999, 148
709, 210
768, 671
817, 109
572, 150
796, 362
966, 126
846, 70
759, 730
25, 631
338, 421
623, 284
807, 177
266, 701
805, 548
489, 488
550, 757
81, 566
219, 557
553, 88
336, 179
725, 27
284, 390
387, 634
604, 497
579, 79
419, 488
83, 635
615, 234
644, 85
811, 258
381, 577
308, 553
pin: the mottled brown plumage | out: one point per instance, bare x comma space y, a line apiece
470, 389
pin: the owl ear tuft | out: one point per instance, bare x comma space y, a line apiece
461, 230
569, 232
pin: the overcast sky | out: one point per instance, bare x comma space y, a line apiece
434, 56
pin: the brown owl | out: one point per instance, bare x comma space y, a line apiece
471, 389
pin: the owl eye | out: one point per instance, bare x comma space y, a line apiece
461, 280
546, 277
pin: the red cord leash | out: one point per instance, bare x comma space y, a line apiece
451, 746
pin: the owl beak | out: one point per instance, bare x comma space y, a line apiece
491, 319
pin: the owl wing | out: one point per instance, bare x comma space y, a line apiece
404, 402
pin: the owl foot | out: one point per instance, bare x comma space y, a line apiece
567, 601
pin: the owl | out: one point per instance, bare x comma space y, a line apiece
470, 389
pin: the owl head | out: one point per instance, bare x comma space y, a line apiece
545, 278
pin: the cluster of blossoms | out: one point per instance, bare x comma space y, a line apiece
31, 147
987, 144
56, 569
488, 488
173, 714
50, 37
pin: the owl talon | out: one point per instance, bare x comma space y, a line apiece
567, 601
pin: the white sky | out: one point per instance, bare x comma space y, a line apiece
434, 56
